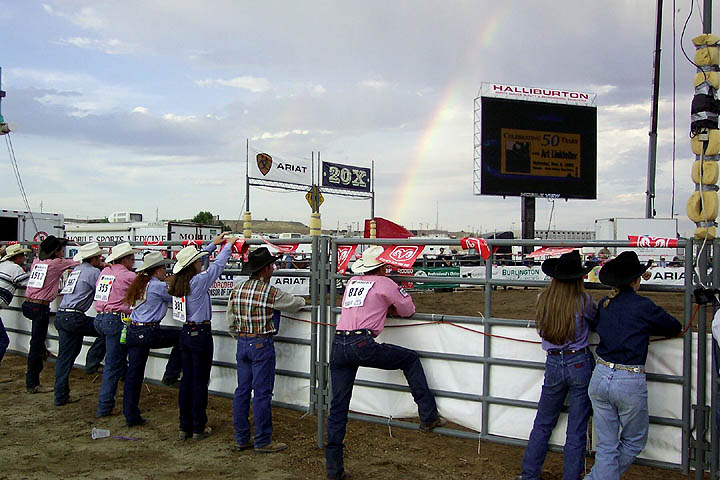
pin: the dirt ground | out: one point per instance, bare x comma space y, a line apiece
38, 440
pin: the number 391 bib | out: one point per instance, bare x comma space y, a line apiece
179, 309
356, 292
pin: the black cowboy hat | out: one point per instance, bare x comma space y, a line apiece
567, 267
257, 260
623, 269
51, 245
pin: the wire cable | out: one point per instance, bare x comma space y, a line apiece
16, 171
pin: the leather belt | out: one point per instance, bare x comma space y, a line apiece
41, 302
619, 366
204, 322
253, 335
567, 352
364, 331
144, 324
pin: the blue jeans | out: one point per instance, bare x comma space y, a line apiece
255, 371
39, 316
350, 352
196, 347
565, 376
619, 400
4, 340
140, 339
71, 328
110, 325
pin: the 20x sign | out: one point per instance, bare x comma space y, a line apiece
347, 177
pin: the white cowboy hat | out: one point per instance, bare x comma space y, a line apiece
151, 260
14, 249
88, 250
369, 260
119, 251
186, 256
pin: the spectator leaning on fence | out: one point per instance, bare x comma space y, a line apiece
148, 294
562, 314
618, 389
192, 306
73, 325
12, 276
42, 289
112, 309
253, 307
368, 298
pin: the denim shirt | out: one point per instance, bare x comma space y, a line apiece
626, 324
155, 305
82, 297
199, 308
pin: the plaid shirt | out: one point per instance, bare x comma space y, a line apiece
251, 306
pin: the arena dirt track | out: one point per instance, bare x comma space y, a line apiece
38, 440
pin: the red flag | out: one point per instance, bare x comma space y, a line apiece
386, 229
647, 241
156, 243
345, 253
480, 245
401, 255
281, 248
197, 243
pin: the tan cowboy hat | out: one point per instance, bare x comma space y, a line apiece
88, 250
369, 260
152, 260
13, 250
119, 251
187, 256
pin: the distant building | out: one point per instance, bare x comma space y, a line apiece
564, 235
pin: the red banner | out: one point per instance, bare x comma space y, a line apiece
480, 245
197, 243
281, 248
403, 256
647, 241
345, 254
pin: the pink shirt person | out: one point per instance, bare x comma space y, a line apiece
50, 287
120, 284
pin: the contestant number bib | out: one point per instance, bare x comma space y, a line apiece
71, 282
37, 275
356, 292
102, 292
179, 309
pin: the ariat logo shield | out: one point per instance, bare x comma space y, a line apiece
264, 163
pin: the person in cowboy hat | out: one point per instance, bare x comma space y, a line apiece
618, 389
112, 309
12, 276
563, 315
369, 297
73, 325
148, 294
252, 307
42, 289
190, 285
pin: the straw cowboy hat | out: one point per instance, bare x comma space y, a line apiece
152, 260
119, 251
623, 269
187, 256
51, 245
13, 250
369, 260
88, 250
567, 267
257, 260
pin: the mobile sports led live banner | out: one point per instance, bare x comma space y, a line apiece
346, 177
295, 170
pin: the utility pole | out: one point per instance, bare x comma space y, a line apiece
652, 150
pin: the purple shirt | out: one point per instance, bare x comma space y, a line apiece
582, 328
50, 289
120, 285
365, 304
198, 304
155, 305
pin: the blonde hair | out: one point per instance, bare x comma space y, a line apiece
556, 309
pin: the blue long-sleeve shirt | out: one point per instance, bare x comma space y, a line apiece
155, 306
198, 306
81, 297
626, 325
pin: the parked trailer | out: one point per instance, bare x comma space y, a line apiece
19, 226
621, 228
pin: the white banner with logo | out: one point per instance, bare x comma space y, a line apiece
265, 167
292, 285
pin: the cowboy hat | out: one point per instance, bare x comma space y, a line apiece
51, 245
187, 256
119, 251
13, 250
152, 260
566, 267
88, 250
257, 260
368, 261
623, 269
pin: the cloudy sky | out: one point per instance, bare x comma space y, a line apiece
145, 105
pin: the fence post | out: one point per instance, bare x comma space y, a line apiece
687, 360
715, 449
486, 345
701, 408
322, 340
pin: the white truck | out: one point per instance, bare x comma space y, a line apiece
19, 226
621, 228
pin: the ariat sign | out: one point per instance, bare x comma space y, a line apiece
295, 171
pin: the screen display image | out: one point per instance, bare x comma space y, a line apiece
538, 149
